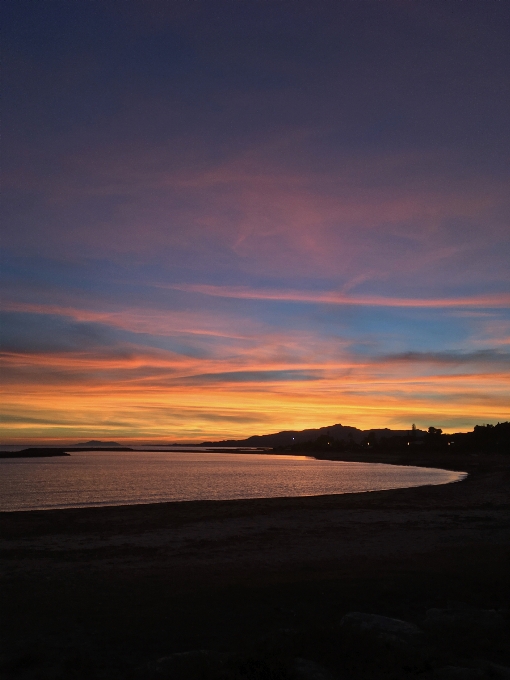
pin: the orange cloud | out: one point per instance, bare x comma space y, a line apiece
151, 395
252, 380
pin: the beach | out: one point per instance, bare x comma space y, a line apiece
107, 592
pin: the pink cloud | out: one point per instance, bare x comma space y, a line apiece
363, 215
162, 322
479, 301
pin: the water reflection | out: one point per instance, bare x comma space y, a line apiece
131, 477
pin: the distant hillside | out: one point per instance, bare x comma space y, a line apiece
487, 439
337, 440
290, 437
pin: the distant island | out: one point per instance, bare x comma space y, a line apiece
96, 444
50, 452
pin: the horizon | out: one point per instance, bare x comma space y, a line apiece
227, 218
170, 441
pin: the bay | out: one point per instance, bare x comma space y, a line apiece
101, 478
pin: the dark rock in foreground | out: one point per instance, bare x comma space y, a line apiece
464, 619
381, 625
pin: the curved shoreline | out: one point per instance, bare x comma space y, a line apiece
485, 478
124, 585
298, 478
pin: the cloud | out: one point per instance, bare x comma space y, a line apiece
25, 420
256, 215
25, 333
396, 214
257, 377
156, 321
333, 298
497, 359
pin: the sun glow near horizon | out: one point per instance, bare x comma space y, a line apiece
136, 398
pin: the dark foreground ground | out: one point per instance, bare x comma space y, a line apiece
258, 589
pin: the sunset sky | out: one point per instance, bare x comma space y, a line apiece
228, 218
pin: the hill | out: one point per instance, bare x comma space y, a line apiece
291, 437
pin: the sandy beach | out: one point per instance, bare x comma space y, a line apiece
106, 592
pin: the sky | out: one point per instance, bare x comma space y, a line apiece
233, 217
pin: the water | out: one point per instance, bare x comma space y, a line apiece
95, 478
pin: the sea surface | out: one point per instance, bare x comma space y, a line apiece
99, 478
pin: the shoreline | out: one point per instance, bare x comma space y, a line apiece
485, 481
120, 586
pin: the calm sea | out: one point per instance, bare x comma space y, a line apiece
95, 478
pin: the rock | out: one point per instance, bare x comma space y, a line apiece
498, 672
184, 664
381, 625
309, 670
458, 673
464, 618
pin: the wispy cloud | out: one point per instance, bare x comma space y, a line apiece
334, 298
156, 322
200, 239
492, 357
